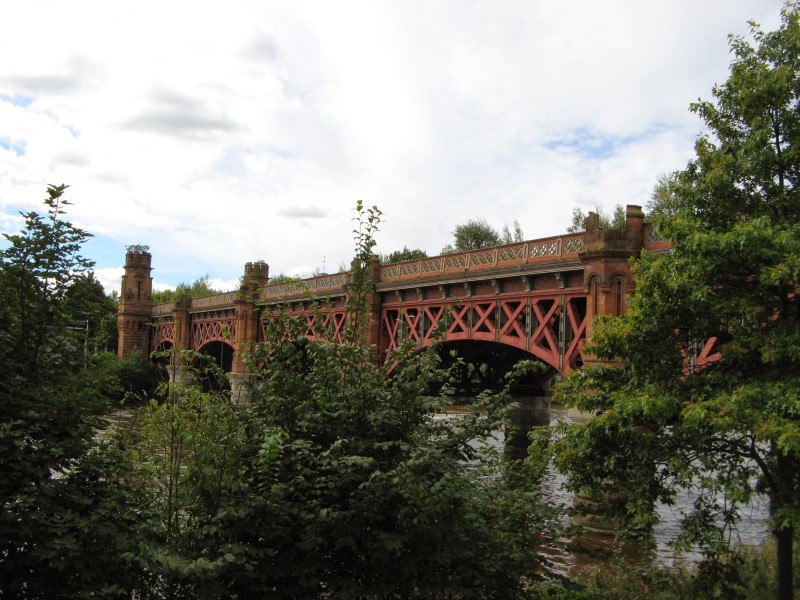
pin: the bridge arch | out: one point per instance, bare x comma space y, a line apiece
548, 324
483, 364
216, 353
221, 352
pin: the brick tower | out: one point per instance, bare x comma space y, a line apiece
135, 304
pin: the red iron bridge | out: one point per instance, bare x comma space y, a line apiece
537, 297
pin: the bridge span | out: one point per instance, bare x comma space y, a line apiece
539, 297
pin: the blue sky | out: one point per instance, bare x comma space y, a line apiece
219, 136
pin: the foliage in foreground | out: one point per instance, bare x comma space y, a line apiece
59, 498
727, 429
747, 574
336, 479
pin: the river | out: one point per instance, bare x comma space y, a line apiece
591, 549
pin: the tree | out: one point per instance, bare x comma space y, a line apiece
39, 267
615, 221
59, 491
474, 235
518, 236
92, 313
667, 418
198, 288
403, 255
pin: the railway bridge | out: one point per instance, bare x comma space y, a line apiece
536, 298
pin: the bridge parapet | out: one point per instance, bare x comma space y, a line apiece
165, 308
216, 301
323, 283
532, 252
653, 241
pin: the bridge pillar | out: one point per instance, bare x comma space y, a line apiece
609, 284
135, 305
606, 268
531, 410
256, 276
182, 319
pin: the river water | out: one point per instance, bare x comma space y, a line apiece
590, 549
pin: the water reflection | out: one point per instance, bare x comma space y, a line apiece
589, 549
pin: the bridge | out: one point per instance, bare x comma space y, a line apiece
536, 298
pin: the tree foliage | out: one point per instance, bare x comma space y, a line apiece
59, 493
403, 255
732, 279
478, 233
614, 221
197, 289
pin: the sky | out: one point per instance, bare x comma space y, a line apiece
223, 133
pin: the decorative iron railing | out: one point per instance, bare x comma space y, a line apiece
204, 302
163, 309
534, 251
315, 284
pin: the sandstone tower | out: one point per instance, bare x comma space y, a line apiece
135, 304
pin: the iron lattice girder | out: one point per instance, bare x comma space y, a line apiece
163, 331
219, 329
549, 324
320, 324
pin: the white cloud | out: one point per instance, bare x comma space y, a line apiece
110, 278
223, 136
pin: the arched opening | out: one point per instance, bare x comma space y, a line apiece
483, 365
618, 291
594, 295
162, 357
211, 366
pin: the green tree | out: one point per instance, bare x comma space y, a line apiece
508, 238
474, 235
198, 288
59, 491
92, 313
615, 221
38, 269
666, 419
403, 255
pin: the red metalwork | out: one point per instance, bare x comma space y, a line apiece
327, 323
219, 329
697, 357
549, 325
530, 295
163, 332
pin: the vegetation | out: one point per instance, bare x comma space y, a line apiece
333, 480
477, 233
728, 429
198, 288
615, 221
338, 479
402, 255
59, 494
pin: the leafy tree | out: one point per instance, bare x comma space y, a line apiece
516, 237
38, 268
474, 235
92, 313
667, 421
58, 491
615, 221
280, 278
403, 255
198, 288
